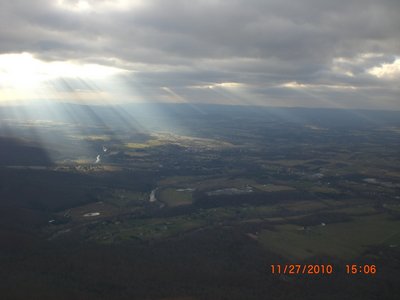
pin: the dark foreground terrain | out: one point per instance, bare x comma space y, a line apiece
197, 202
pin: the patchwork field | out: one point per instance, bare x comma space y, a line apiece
199, 212
346, 240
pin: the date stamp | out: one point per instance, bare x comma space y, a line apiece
322, 269
295, 269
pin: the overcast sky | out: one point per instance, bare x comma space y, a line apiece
342, 53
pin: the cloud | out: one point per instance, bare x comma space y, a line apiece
387, 70
331, 49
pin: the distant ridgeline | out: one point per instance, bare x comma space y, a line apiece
158, 115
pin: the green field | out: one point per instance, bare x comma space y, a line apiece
175, 197
272, 187
156, 228
124, 198
344, 240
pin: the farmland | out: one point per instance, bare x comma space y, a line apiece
208, 205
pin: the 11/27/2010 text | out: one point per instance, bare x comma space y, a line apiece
321, 269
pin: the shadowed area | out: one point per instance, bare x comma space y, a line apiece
15, 152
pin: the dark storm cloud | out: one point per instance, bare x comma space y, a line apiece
263, 44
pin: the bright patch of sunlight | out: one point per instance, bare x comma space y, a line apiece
390, 71
384, 70
298, 86
23, 76
294, 85
225, 85
83, 6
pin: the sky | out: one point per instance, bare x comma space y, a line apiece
303, 53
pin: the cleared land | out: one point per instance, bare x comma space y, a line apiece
344, 240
